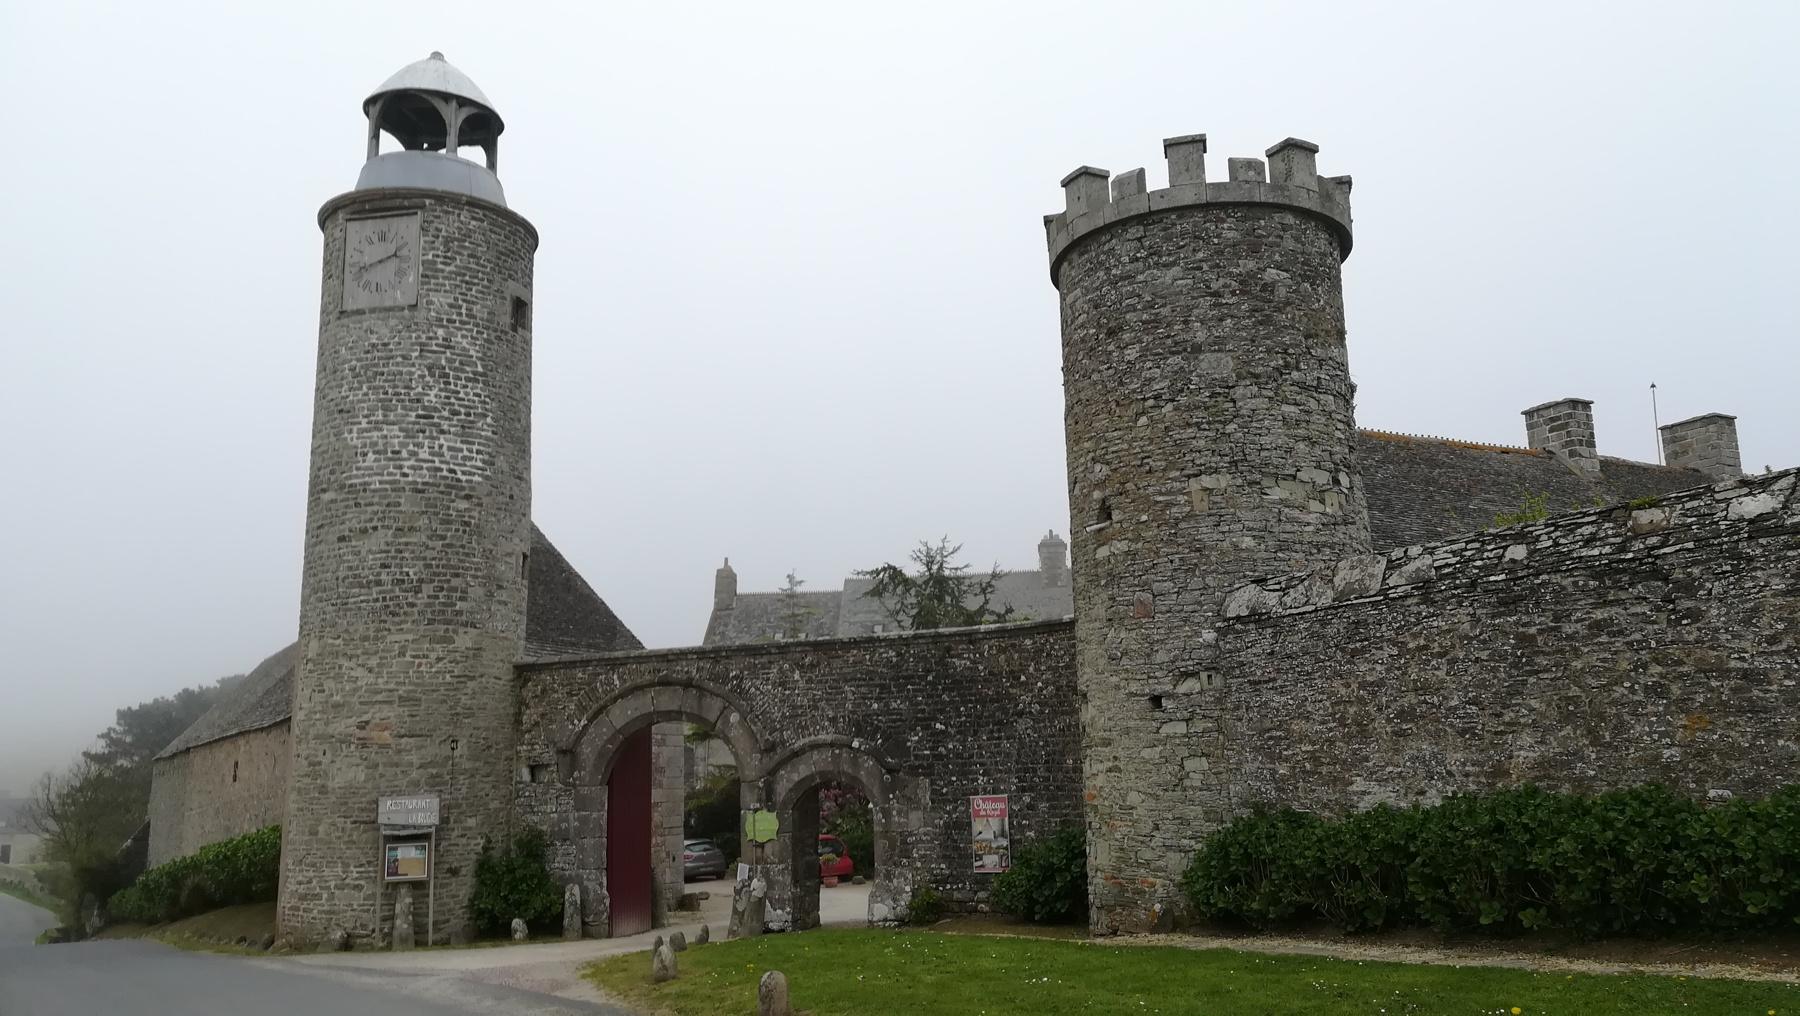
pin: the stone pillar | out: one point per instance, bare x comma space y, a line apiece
412, 606
668, 804
1565, 429
1706, 443
1209, 435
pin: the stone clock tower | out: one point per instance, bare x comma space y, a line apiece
418, 513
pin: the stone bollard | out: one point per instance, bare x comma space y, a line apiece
519, 932
403, 920
336, 940
678, 941
662, 963
572, 911
772, 995
705, 935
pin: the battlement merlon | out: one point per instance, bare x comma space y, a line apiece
1094, 199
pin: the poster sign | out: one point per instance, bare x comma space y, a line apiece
760, 826
408, 862
412, 812
992, 838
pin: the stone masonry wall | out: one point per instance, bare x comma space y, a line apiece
949, 714
1652, 642
1209, 436
218, 790
413, 597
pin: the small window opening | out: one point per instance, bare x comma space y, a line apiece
521, 314
524, 563
234, 766
1105, 512
1156, 702
540, 772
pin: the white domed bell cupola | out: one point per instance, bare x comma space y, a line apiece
433, 110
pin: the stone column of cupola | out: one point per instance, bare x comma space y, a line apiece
1209, 439
417, 528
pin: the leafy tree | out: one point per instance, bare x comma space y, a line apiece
87, 812
941, 594
795, 616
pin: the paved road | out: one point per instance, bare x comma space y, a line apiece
132, 977
21, 923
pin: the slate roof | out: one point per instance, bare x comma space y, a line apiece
563, 617
757, 617
1420, 490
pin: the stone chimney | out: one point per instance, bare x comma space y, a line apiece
1053, 559
1706, 443
1565, 428
724, 587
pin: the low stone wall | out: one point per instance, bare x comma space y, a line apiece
945, 714
1656, 642
218, 790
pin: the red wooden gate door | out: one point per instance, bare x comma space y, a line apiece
628, 836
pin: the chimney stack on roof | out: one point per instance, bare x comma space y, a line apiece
1565, 429
1706, 443
1053, 559
724, 587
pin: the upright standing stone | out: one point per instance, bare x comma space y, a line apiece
1210, 440
520, 932
572, 911
772, 995
705, 935
412, 601
678, 941
403, 919
749, 905
662, 962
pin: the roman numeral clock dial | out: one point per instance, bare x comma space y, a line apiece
381, 262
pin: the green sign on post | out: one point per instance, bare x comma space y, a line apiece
760, 826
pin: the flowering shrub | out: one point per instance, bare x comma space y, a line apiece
1631, 862
243, 869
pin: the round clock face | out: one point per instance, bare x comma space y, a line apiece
379, 258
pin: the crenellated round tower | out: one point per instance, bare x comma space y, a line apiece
1209, 432
418, 514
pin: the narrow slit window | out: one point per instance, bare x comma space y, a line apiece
521, 314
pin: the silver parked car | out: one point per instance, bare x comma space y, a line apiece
701, 859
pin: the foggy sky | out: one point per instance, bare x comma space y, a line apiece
779, 242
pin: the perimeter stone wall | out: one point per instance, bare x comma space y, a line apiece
1656, 642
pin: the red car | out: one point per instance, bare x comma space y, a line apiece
842, 867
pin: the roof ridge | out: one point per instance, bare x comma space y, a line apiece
1454, 442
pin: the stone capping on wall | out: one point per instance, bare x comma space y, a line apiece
398, 198
1090, 205
1731, 510
768, 648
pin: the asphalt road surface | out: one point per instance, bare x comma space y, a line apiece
21, 923
133, 977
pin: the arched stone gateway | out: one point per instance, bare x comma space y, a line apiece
919, 722
896, 798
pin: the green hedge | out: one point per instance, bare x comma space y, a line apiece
516, 883
1636, 862
1047, 881
244, 869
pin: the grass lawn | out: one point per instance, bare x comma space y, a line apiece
918, 972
